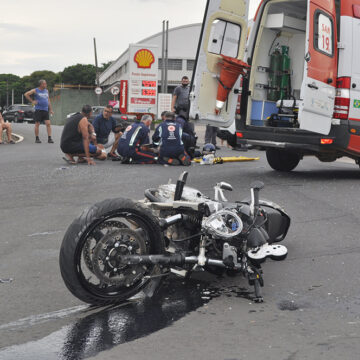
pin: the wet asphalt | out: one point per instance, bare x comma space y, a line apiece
312, 299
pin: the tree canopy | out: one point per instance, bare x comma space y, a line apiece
79, 74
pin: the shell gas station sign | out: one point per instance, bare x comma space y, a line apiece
143, 74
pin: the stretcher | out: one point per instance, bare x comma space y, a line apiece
224, 159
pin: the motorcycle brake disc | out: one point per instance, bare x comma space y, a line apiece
108, 251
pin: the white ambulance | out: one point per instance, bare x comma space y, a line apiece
301, 94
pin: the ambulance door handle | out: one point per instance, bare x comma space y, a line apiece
312, 86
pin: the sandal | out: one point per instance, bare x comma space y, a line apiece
70, 162
112, 156
11, 142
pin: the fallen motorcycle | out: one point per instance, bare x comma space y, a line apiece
119, 248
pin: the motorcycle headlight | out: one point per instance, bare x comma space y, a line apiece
223, 224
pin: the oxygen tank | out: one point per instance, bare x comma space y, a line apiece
285, 71
274, 78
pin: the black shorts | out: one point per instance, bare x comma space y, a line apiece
77, 148
41, 115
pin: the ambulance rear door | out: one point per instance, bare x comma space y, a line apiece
224, 31
349, 56
320, 69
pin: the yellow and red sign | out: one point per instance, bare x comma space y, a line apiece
144, 58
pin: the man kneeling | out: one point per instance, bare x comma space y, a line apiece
76, 136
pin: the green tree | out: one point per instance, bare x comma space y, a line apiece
8, 83
32, 81
79, 74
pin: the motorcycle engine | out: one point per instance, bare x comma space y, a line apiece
223, 224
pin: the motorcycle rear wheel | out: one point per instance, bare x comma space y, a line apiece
93, 244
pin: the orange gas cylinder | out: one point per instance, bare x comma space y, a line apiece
231, 68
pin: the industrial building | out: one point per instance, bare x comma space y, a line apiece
182, 46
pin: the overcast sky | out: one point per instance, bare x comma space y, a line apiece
53, 34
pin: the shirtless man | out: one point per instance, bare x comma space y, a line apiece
7, 127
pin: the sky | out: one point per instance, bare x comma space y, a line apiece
52, 34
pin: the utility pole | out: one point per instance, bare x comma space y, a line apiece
97, 71
163, 58
166, 56
7, 92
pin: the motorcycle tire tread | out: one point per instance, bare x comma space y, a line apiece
75, 233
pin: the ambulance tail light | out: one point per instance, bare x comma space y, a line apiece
326, 141
342, 98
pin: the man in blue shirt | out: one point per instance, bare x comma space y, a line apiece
132, 143
42, 108
103, 125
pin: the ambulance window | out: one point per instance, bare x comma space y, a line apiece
224, 38
323, 33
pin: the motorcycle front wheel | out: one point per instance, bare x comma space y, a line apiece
90, 254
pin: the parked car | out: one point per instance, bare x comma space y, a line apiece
19, 113
122, 120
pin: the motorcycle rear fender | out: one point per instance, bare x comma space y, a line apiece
277, 225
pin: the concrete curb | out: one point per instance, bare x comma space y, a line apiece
17, 138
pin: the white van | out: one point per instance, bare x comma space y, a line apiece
301, 95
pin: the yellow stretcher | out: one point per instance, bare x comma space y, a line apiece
224, 159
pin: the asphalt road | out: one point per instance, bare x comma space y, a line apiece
312, 299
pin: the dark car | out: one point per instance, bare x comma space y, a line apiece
19, 113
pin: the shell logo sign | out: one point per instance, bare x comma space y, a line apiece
144, 58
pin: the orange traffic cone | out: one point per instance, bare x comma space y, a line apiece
231, 68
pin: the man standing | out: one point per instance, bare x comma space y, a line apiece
131, 143
75, 139
42, 106
103, 125
180, 100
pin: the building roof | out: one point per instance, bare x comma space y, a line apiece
182, 44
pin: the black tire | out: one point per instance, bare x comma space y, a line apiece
76, 260
282, 160
16, 118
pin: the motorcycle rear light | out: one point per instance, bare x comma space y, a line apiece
326, 141
123, 117
342, 98
239, 134
20, 111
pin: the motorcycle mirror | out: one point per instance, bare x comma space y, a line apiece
225, 186
257, 185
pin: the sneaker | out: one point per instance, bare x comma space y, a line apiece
50, 141
171, 161
37, 141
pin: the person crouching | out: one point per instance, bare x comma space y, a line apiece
134, 143
168, 135
76, 137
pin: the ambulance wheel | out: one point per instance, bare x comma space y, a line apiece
282, 160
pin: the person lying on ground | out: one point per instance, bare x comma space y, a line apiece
75, 139
7, 127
